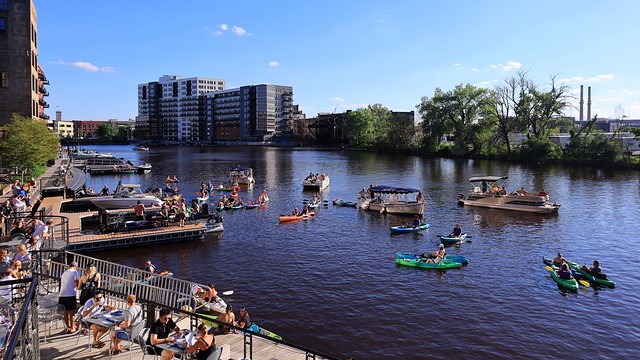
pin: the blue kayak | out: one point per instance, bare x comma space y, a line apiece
448, 240
457, 258
404, 229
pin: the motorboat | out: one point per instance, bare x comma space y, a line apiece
392, 200
144, 168
141, 148
241, 175
316, 182
490, 192
125, 196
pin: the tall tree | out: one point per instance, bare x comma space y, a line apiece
29, 144
548, 107
452, 112
106, 132
360, 128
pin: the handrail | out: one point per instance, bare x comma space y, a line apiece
24, 331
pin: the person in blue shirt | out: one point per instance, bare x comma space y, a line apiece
456, 232
564, 272
416, 221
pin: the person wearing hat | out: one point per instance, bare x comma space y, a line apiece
68, 284
244, 321
559, 260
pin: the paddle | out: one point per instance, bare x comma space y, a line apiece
582, 282
228, 293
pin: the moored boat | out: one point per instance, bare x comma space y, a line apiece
241, 175
125, 196
421, 263
489, 192
141, 148
253, 328
144, 168
392, 200
409, 228
316, 182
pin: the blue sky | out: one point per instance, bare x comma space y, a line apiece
337, 55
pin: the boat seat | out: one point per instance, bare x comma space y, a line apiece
477, 190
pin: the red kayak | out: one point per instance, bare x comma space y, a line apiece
286, 218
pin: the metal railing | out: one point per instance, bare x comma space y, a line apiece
151, 290
22, 341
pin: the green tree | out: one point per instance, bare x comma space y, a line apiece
106, 132
29, 144
360, 128
453, 112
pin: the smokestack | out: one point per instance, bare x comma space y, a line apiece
581, 104
589, 103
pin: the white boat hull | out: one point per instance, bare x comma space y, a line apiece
316, 185
411, 208
529, 204
110, 202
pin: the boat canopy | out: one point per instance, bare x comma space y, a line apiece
487, 178
385, 189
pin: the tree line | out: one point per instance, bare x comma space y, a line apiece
475, 122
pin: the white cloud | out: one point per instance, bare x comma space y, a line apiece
216, 33
455, 64
239, 31
600, 78
223, 27
337, 99
510, 65
382, 19
474, 69
274, 64
86, 66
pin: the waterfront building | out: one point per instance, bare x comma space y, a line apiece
252, 113
62, 128
22, 80
172, 109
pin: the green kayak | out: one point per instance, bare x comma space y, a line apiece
592, 279
421, 263
569, 284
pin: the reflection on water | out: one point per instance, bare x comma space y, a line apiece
331, 283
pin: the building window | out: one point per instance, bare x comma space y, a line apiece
4, 4
1, 24
3, 79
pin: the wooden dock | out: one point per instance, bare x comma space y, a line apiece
79, 241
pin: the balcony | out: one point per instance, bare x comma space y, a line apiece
43, 91
43, 103
43, 116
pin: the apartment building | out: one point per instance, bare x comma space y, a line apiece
262, 112
22, 81
173, 109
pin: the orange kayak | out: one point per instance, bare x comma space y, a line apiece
285, 218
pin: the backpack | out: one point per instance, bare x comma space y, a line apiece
90, 288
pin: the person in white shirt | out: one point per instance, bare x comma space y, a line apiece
92, 307
68, 284
6, 291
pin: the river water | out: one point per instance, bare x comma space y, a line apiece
331, 283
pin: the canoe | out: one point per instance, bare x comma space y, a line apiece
590, 278
457, 258
339, 202
286, 218
442, 265
405, 229
234, 207
253, 328
223, 189
251, 206
448, 240
569, 284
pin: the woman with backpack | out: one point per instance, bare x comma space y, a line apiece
89, 283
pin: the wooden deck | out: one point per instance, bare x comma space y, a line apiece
62, 346
79, 241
